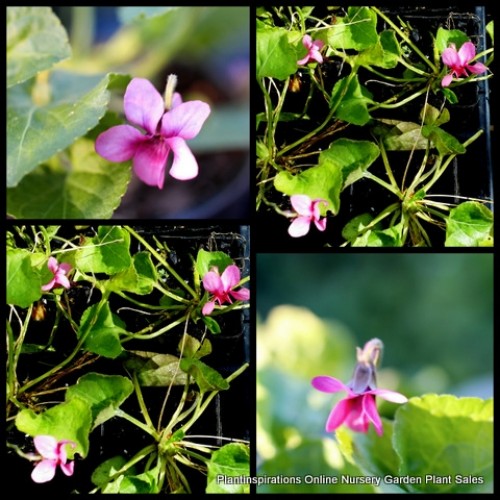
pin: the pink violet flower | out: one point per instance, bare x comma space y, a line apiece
53, 454
313, 51
459, 62
166, 131
307, 212
60, 272
222, 287
357, 410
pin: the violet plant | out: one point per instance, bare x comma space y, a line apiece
69, 151
124, 320
363, 118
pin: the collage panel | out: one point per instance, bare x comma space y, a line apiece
375, 373
129, 366
373, 126
128, 113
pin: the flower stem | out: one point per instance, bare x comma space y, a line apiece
162, 261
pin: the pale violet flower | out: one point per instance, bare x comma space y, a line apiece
307, 211
166, 130
60, 272
359, 408
222, 287
53, 454
459, 62
313, 51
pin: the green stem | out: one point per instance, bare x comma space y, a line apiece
406, 39
439, 171
138, 423
388, 168
162, 261
62, 364
203, 406
12, 382
389, 187
140, 400
137, 336
170, 294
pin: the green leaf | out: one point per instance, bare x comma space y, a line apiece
374, 454
205, 261
358, 30
24, 282
276, 53
147, 482
401, 136
103, 393
444, 38
444, 142
323, 181
76, 185
232, 460
139, 278
351, 157
433, 116
103, 473
70, 420
353, 230
154, 369
339, 166
193, 348
350, 101
102, 334
470, 224
385, 53
206, 377
212, 325
491, 31
36, 40
42, 122
108, 252
445, 436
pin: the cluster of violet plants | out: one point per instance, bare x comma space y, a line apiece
297, 51
49, 271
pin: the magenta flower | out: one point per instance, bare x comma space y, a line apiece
53, 453
59, 271
307, 212
459, 62
357, 410
313, 51
222, 287
166, 130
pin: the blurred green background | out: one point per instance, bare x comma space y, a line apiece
434, 313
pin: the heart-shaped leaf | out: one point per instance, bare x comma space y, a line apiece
206, 377
446, 437
70, 420
76, 185
108, 252
230, 461
102, 334
276, 54
39, 124
103, 393
470, 224
357, 30
155, 369
351, 100
24, 281
36, 40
